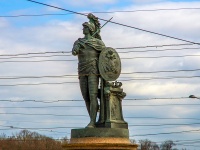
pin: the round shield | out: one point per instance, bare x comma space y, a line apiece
109, 64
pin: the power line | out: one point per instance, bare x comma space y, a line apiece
126, 99
191, 142
125, 80
116, 23
163, 105
37, 107
34, 53
186, 140
161, 9
157, 118
191, 145
33, 61
160, 78
35, 56
32, 15
125, 52
177, 124
148, 46
130, 125
74, 75
33, 77
25, 121
127, 58
63, 52
61, 122
176, 141
37, 101
41, 107
37, 128
162, 50
163, 118
26, 114
161, 57
157, 98
27, 84
163, 71
103, 12
40, 129
187, 131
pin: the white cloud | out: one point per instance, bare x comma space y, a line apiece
3, 23
146, 1
58, 35
79, 3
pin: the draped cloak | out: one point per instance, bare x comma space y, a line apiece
89, 55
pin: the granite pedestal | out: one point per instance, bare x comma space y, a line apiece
100, 138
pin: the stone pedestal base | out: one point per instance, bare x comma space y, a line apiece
99, 138
100, 143
99, 132
99, 146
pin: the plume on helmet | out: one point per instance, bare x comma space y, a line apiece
95, 21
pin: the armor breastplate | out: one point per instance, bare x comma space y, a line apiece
88, 61
87, 54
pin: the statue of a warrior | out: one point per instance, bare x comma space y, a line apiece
88, 50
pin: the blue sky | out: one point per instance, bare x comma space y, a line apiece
58, 33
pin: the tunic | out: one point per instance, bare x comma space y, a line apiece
88, 55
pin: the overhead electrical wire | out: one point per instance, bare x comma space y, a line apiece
67, 106
26, 84
186, 143
160, 57
162, 50
130, 125
33, 61
13, 127
165, 133
74, 100
62, 52
190, 145
162, 71
30, 114
170, 124
75, 75
43, 101
36, 53
156, 46
40, 129
124, 80
125, 52
35, 56
42, 122
160, 78
157, 118
33, 77
117, 23
176, 141
126, 58
104, 12
59, 122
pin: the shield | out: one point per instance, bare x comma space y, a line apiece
109, 64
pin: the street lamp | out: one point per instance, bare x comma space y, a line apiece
193, 96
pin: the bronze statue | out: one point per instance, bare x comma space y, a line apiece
88, 50
96, 61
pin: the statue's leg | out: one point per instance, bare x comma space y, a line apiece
93, 82
83, 81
